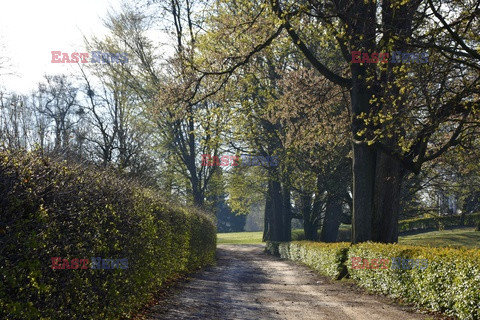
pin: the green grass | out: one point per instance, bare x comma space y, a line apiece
466, 237
239, 238
250, 237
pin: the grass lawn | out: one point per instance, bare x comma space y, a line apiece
239, 238
466, 237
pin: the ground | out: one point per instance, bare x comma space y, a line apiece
461, 237
248, 284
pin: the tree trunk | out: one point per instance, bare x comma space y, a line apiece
268, 216
286, 215
310, 230
309, 223
198, 195
363, 162
388, 184
277, 214
462, 219
331, 222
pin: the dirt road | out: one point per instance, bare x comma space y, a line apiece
248, 284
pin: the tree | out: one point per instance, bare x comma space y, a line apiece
57, 101
384, 108
315, 116
15, 120
378, 93
185, 127
227, 219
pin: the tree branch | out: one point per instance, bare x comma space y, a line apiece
330, 75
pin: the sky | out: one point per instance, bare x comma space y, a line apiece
31, 29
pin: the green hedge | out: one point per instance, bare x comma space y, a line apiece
326, 258
50, 209
438, 223
450, 284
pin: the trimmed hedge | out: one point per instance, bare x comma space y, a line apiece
438, 223
51, 209
450, 284
325, 258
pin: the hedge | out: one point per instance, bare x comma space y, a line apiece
326, 258
438, 223
52, 209
450, 284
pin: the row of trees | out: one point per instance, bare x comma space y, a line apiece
359, 143
402, 117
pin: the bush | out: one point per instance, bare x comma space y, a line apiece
344, 233
298, 235
50, 209
327, 259
272, 248
450, 283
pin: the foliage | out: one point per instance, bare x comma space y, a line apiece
245, 188
228, 221
54, 209
450, 283
327, 259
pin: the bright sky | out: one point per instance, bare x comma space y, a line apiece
31, 29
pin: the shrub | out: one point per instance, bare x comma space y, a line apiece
450, 283
272, 248
298, 235
327, 259
51, 209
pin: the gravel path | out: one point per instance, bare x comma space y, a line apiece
248, 284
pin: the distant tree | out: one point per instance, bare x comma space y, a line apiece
57, 101
186, 126
15, 121
228, 221
314, 115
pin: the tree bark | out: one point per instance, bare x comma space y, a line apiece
331, 222
388, 184
286, 215
309, 222
268, 216
364, 158
277, 214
